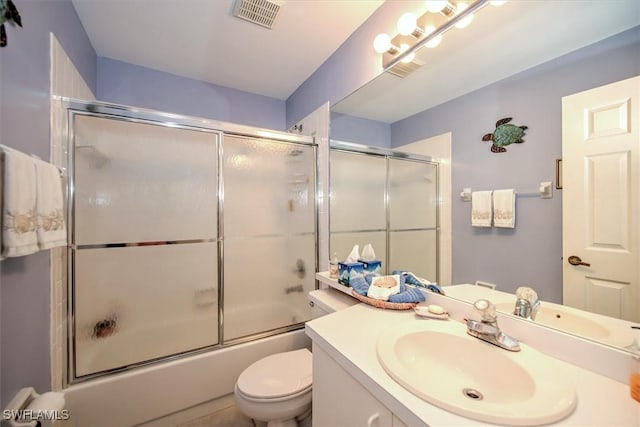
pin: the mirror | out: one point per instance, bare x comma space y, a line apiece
517, 60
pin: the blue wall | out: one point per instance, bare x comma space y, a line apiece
24, 125
123, 83
351, 66
362, 131
531, 253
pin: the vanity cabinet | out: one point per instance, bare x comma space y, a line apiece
340, 400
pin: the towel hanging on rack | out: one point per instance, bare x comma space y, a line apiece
49, 206
481, 209
504, 208
19, 218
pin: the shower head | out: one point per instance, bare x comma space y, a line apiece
95, 158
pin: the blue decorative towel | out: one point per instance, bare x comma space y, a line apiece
359, 284
409, 295
412, 279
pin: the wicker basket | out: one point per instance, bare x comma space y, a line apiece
384, 304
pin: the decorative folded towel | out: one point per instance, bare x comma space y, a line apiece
481, 209
49, 206
359, 284
382, 287
411, 279
19, 219
504, 208
409, 295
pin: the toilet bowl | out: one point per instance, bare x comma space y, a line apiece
277, 389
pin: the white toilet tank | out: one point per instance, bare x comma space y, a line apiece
326, 301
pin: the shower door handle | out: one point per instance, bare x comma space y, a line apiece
576, 260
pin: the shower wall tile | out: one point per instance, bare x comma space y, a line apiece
65, 80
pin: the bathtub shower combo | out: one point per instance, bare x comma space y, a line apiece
185, 235
193, 245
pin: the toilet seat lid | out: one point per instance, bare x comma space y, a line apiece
278, 375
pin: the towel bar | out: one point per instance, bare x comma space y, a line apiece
545, 191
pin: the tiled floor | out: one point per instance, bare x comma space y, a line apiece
227, 417
230, 417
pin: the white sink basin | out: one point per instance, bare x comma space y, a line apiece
577, 322
441, 364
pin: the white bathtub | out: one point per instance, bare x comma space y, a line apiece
143, 394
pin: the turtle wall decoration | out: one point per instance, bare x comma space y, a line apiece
8, 12
505, 134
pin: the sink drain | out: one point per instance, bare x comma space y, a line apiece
472, 393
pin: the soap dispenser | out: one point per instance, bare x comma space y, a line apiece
333, 266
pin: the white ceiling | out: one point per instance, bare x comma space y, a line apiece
202, 40
500, 42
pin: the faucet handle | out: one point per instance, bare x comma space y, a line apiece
486, 309
526, 293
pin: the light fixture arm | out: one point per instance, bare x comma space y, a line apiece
449, 10
446, 26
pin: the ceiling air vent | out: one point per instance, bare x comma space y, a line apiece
403, 70
261, 12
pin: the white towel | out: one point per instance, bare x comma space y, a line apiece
504, 208
481, 209
49, 206
19, 218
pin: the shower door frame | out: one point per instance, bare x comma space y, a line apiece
73, 107
388, 154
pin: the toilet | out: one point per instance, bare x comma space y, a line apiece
277, 389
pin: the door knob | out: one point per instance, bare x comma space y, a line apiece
575, 260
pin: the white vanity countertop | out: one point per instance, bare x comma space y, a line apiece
350, 337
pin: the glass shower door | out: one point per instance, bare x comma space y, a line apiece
390, 202
145, 242
269, 234
357, 210
413, 219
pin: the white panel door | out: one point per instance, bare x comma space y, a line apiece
601, 199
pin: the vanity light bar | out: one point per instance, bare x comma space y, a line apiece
417, 37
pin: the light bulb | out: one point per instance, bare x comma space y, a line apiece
435, 6
407, 59
382, 43
407, 24
434, 41
467, 19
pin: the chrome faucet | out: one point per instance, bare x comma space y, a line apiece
487, 329
527, 303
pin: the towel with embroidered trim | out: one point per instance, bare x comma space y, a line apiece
19, 217
49, 206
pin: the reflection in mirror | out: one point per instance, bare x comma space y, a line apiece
604, 329
389, 202
519, 60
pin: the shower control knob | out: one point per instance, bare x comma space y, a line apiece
311, 304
